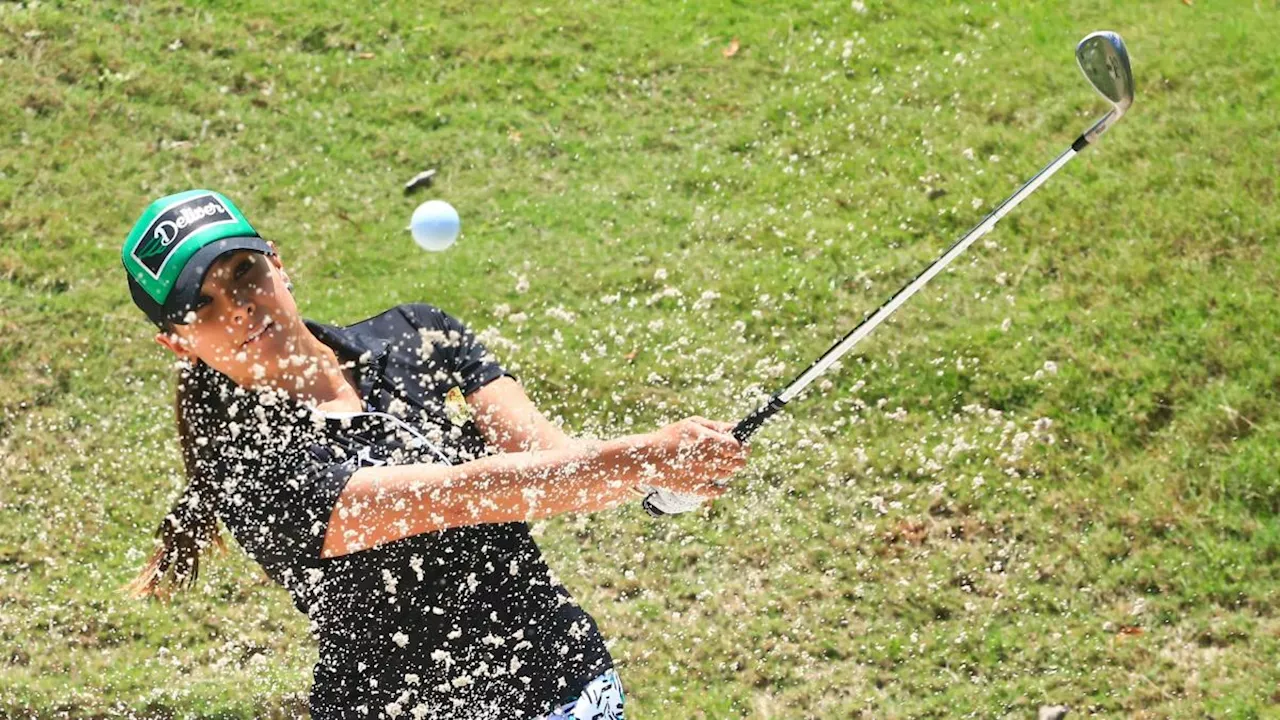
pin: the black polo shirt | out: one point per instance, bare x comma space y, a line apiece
465, 622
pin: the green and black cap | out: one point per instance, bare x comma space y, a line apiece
174, 244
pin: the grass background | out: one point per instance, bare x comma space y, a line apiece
1052, 478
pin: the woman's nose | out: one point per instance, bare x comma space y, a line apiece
243, 308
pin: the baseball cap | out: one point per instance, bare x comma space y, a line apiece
174, 243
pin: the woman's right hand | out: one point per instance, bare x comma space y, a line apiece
692, 456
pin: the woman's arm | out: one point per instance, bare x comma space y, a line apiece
510, 421
383, 504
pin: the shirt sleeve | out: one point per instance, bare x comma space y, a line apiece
279, 509
467, 358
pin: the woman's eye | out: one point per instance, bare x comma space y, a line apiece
243, 267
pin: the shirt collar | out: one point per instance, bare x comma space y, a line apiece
368, 351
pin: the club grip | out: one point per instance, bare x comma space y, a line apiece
659, 502
752, 422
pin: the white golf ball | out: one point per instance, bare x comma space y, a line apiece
434, 225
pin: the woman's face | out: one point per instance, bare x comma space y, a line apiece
245, 323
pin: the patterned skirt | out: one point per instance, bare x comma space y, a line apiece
601, 699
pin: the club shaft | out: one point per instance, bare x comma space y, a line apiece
752, 422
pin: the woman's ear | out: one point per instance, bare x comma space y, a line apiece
275, 256
177, 344
275, 260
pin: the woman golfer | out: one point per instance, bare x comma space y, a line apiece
383, 473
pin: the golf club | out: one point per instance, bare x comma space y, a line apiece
1105, 62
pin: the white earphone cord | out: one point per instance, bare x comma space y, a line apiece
434, 448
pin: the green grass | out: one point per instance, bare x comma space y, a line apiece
952, 559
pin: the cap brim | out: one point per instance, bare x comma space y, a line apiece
186, 290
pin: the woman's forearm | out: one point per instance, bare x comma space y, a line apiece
382, 504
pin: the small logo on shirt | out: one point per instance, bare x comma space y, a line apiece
365, 457
456, 407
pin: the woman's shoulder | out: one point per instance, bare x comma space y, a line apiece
411, 317
423, 315
419, 319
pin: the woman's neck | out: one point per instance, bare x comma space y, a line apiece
314, 376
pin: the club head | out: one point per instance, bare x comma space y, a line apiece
1105, 62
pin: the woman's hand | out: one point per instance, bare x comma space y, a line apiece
692, 456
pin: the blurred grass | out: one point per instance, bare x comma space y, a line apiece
1098, 531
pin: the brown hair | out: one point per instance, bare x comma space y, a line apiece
192, 522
